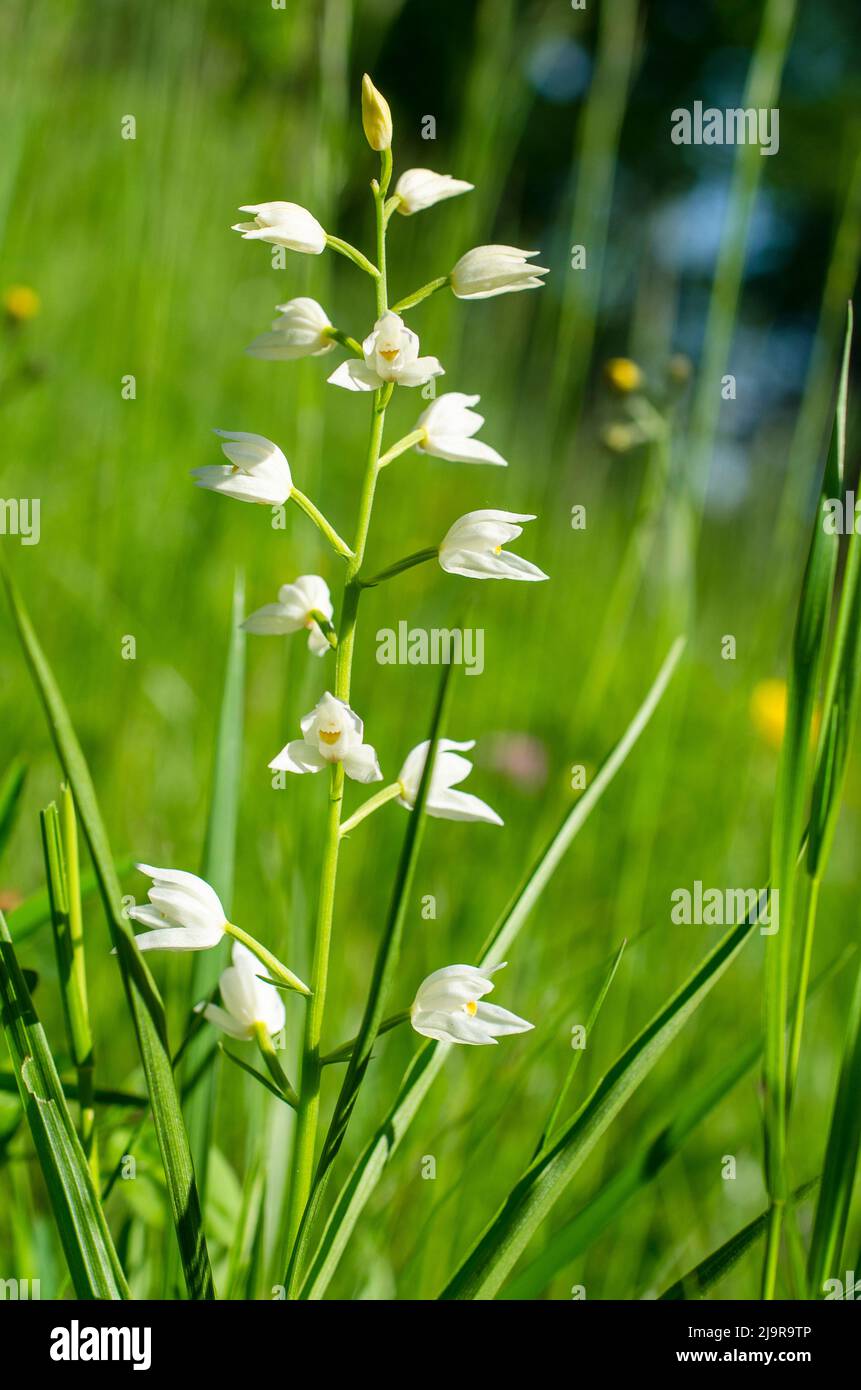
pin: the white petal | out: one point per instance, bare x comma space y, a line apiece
354, 375
462, 806
298, 756
223, 1020
271, 619
361, 764
418, 372
177, 939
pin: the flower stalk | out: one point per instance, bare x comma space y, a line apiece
418, 557
353, 254
425, 292
321, 523
279, 972
408, 442
368, 807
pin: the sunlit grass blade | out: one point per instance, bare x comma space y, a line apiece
35, 911
790, 799
428, 1061
10, 799
102, 1095
608, 1203
696, 1102
143, 997
577, 1054
703, 1277
63, 875
219, 858
93, 1263
385, 967
497, 1250
841, 1159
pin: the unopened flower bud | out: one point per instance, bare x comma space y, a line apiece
376, 116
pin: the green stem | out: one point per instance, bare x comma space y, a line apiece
368, 807
353, 254
342, 1053
309, 1088
419, 557
345, 340
279, 972
321, 523
415, 437
424, 293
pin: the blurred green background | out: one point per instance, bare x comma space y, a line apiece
561, 118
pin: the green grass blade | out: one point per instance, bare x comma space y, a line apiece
599, 1213
702, 1279
102, 1095
844, 666
10, 799
35, 911
61, 863
219, 859
93, 1263
791, 793
507, 928
429, 1059
143, 997
498, 1248
553, 1118
385, 967
841, 1159
696, 1102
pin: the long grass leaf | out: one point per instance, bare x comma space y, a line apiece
93, 1263
702, 1279
571, 1071
219, 859
10, 799
143, 997
35, 911
697, 1101
841, 1158
507, 1235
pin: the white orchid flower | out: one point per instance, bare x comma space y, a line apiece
448, 769
248, 1002
447, 1008
257, 472
283, 224
299, 605
489, 270
184, 912
421, 188
391, 353
449, 424
473, 547
331, 733
302, 330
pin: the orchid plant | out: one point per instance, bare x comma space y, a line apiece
447, 1005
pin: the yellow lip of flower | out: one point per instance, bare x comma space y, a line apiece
330, 736
389, 353
471, 1008
623, 374
21, 303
